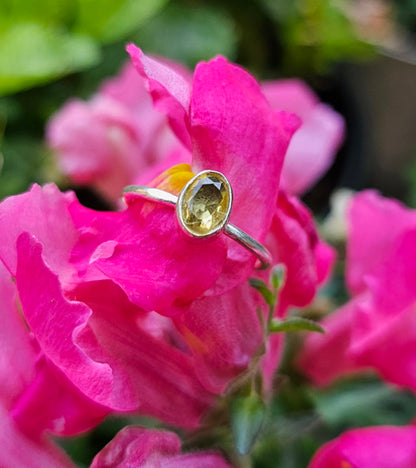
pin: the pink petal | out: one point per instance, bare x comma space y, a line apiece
127, 87
223, 332
292, 95
385, 326
271, 360
43, 211
18, 450
325, 357
134, 446
51, 403
53, 319
293, 241
144, 250
371, 447
170, 91
151, 374
389, 347
374, 225
315, 144
108, 357
18, 352
235, 131
145, 448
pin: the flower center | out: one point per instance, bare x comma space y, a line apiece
205, 203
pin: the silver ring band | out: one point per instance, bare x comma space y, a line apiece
202, 212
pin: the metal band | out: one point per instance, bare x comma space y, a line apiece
263, 255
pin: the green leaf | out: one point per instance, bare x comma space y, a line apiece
364, 403
247, 417
295, 324
31, 54
278, 276
109, 20
264, 290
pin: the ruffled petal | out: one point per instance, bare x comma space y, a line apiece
170, 91
43, 211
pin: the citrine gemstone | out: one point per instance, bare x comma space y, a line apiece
205, 203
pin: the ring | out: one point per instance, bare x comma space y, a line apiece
203, 209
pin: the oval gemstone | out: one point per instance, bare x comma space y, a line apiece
204, 205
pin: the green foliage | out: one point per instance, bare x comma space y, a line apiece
109, 21
295, 324
247, 416
31, 53
264, 290
189, 33
41, 41
364, 403
315, 35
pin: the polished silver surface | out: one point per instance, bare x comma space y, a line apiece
151, 193
251, 244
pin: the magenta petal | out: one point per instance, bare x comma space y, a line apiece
388, 347
18, 450
326, 357
136, 447
271, 360
151, 375
393, 283
52, 403
54, 321
43, 211
102, 351
294, 242
144, 250
170, 91
235, 131
371, 447
223, 333
385, 326
140, 448
18, 352
374, 226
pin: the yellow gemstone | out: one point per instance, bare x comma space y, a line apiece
205, 203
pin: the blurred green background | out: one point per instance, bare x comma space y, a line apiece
358, 55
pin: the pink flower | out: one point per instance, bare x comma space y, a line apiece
227, 124
377, 328
315, 144
110, 140
371, 447
137, 447
127, 312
